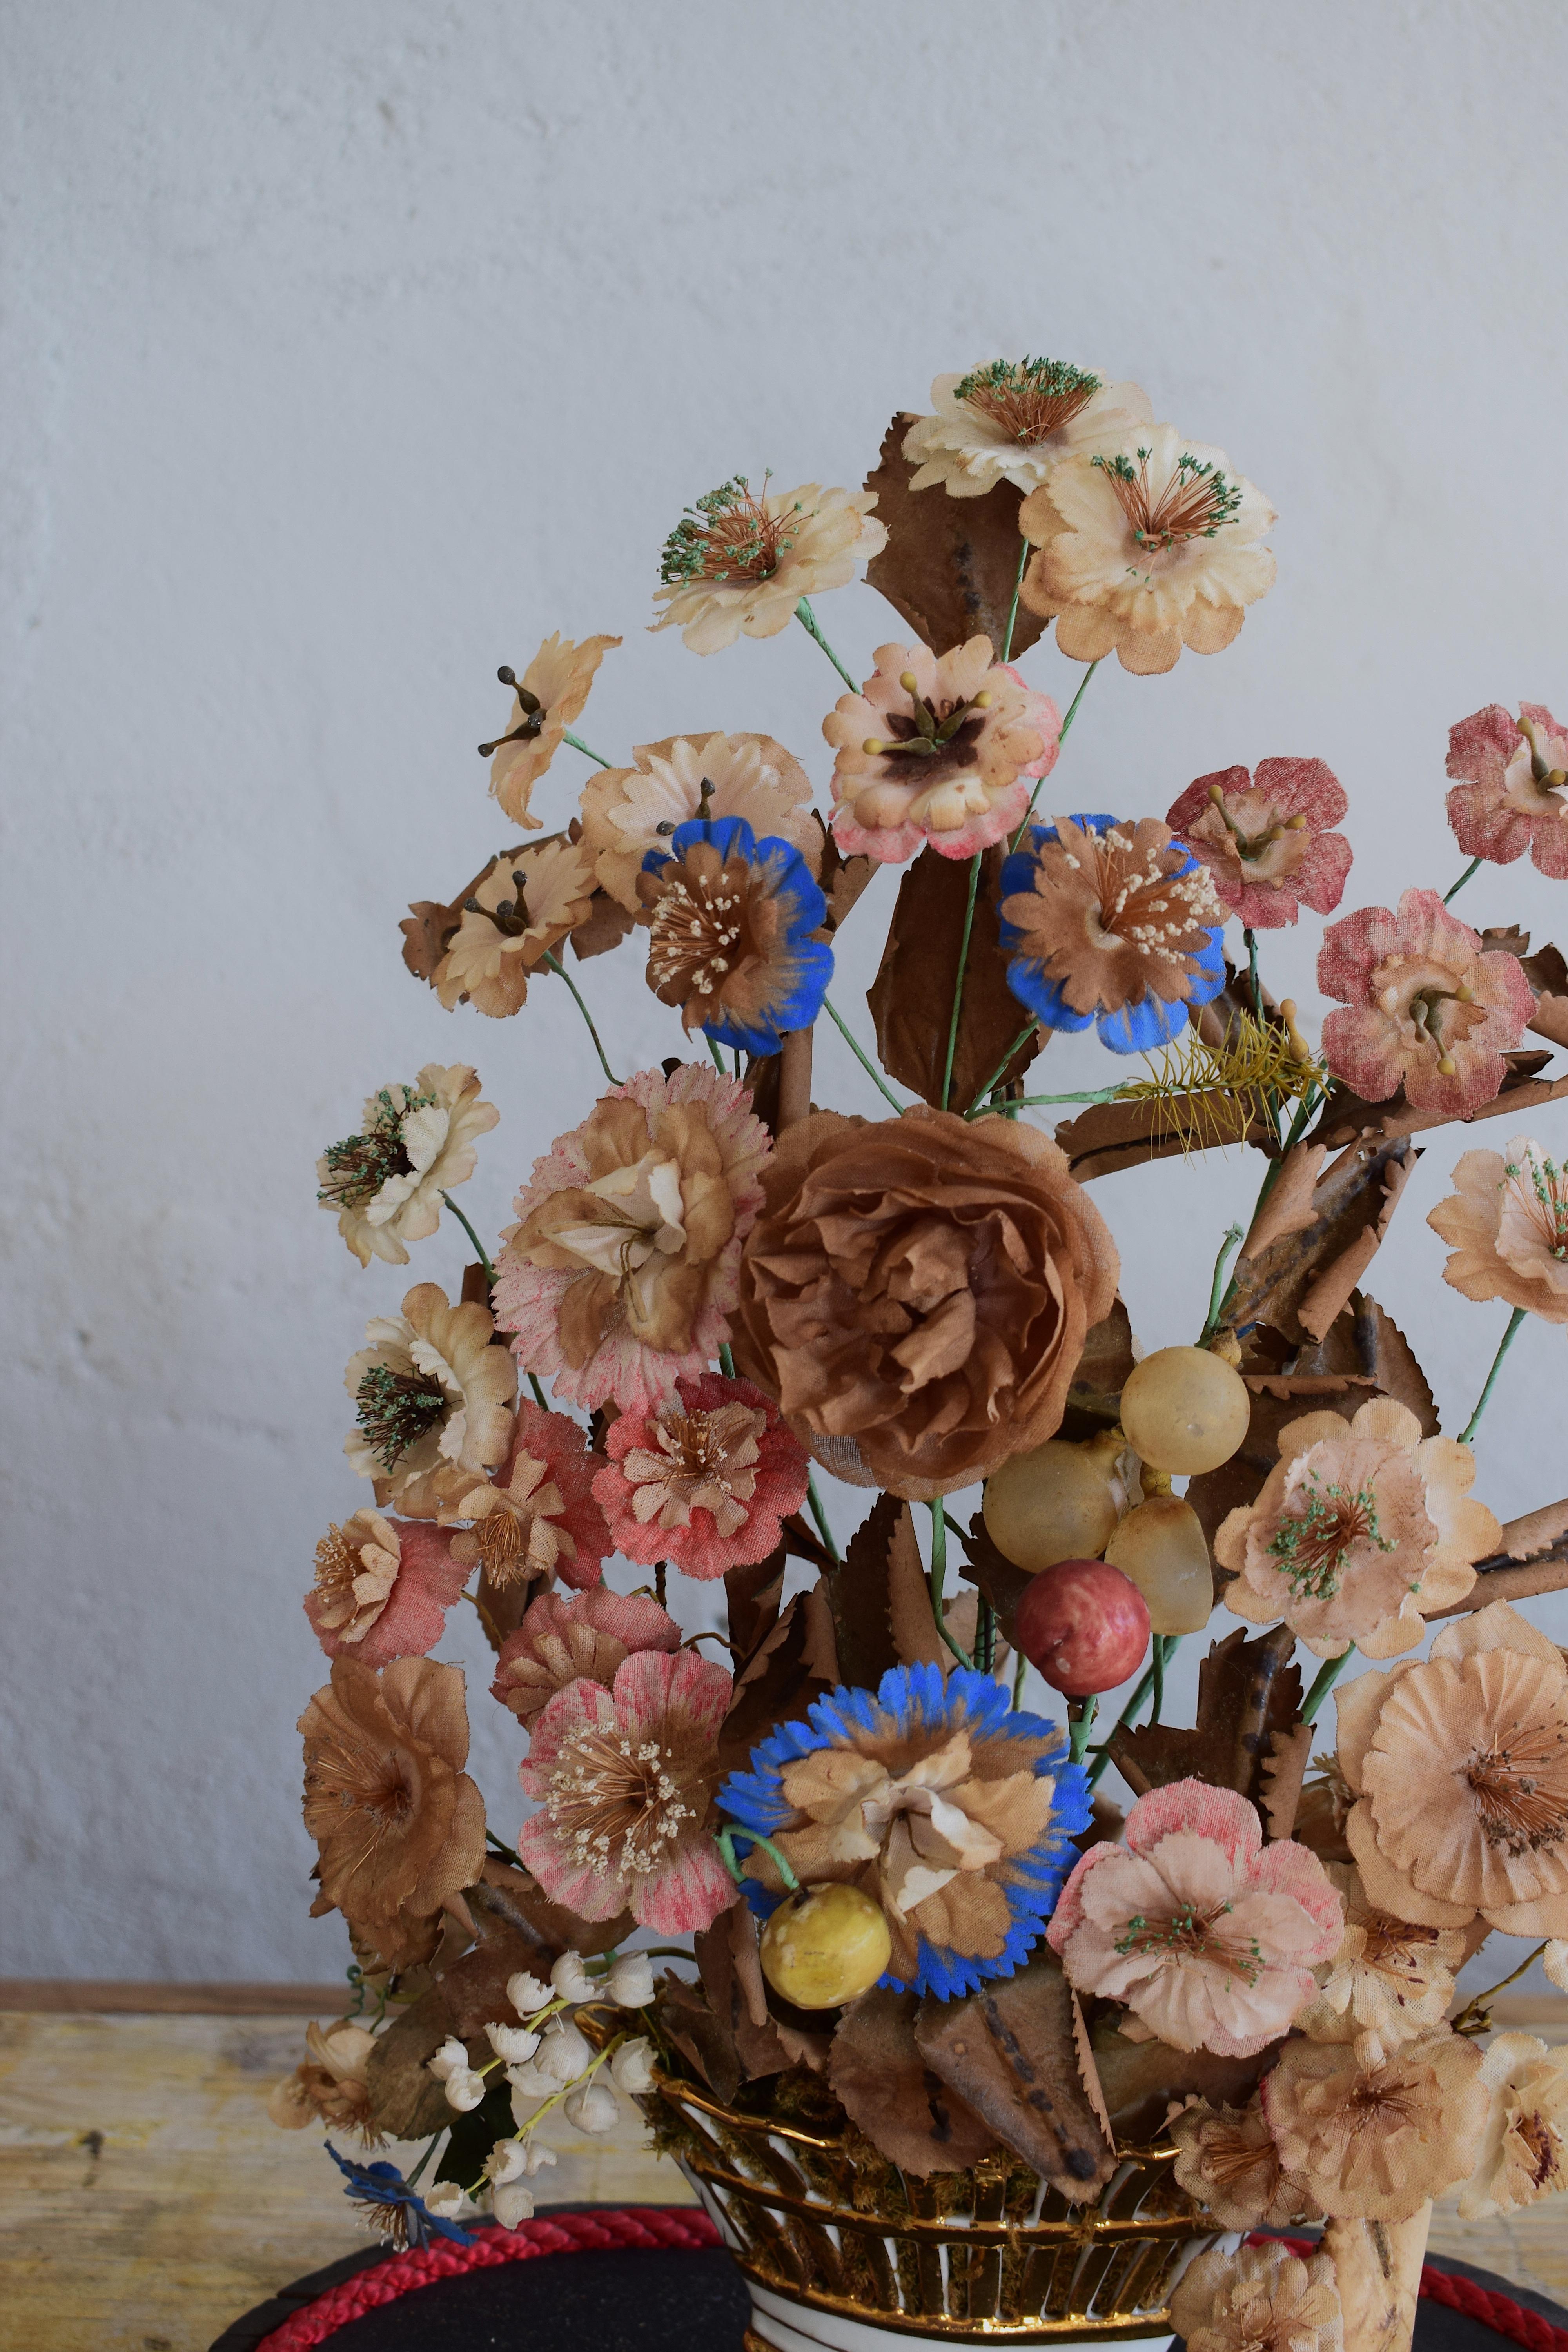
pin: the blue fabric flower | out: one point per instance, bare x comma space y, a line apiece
731, 919
1120, 919
910, 1719
401, 2213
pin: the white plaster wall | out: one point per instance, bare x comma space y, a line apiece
344, 352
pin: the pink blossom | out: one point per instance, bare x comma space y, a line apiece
535, 1516
706, 1483
408, 1622
1508, 791
592, 1635
1265, 838
1425, 1007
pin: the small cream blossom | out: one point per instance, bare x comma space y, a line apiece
570, 1979
434, 1402
1524, 2148
415, 1142
1259, 2299
1389, 1981
526, 1994
593, 2108
630, 1982
737, 561
1010, 421
512, 2043
632, 2066
465, 2088
452, 2058
445, 2200
563, 2053
512, 2204
507, 2161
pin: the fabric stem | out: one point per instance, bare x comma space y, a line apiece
808, 619
1514, 1320
872, 1072
958, 983
553, 963
1328, 1675
490, 1271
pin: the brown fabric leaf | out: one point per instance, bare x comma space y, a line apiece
1365, 1339
1003, 1584
1089, 2073
726, 1955
881, 2076
429, 926
1281, 1775
842, 879
1246, 1691
911, 996
1345, 1117
1109, 1136
509, 1905
858, 1594
1289, 1208
762, 1077
501, 1608
1106, 1364
606, 926
1317, 1266
794, 1664
1008, 2050
753, 1594
685, 2016
1324, 1300
916, 1641
1537, 1531
1143, 2080
949, 565
407, 2102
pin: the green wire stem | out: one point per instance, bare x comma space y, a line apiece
938, 1510
1328, 1675
1061, 739
872, 1072
1462, 880
958, 983
808, 619
1023, 546
578, 745
553, 963
1514, 1320
820, 1516
484, 1259
726, 1843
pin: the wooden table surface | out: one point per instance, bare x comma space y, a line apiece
146, 2199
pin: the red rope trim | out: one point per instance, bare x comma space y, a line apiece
684, 2226
1498, 2311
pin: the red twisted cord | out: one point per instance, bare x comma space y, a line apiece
685, 2226
1498, 2311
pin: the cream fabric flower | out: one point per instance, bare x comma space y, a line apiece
1507, 1219
1228, 2161
738, 562
1259, 2299
547, 697
416, 1143
1524, 2151
626, 811
524, 907
356, 1568
1010, 421
1390, 1979
1373, 2143
434, 1402
329, 2084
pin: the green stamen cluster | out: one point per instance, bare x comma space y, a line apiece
1188, 1929
359, 1165
395, 1410
725, 536
1313, 1545
1547, 1183
1029, 399
1196, 502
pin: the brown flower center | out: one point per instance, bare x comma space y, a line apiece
1540, 2145
1196, 503
1028, 401
616, 1802
1394, 1944
1312, 1543
337, 1565
1519, 1795
501, 1540
1141, 904
1230, 2158
374, 1780
699, 930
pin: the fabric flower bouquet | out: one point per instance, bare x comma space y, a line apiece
885, 1897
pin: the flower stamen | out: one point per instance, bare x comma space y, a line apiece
1028, 399
1196, 503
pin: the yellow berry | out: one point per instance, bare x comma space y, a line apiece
1160, 1548
1053, 1503
825, 1946
1184, 1410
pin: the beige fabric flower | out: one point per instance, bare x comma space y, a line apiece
1459, 1766
704, 1461
1507, 1219
329, 2084
356, 1568
547, 697
1010, 421
1226, 2158
524, 907
434, 1402
416, 1143
1259, 2299
1524, 2151
737, 561
1147, 545
1373, 2143
1363, 1527
1390, 1979
626, 811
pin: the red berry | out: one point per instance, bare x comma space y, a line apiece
1084, 1625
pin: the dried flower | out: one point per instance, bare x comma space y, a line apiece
706, 1483
1259, 2299
1508, 791
738, 561
594, 2108
570, 1979
1425, 1007
630, 1986
1364, 1530
433, 1402
545, 700
526, 1994
954, 1814
1460, 1764
1227, 2160
1148, 545
620, 1273
1373, 2143
514, 916
936, 750
632, 2064
418, 1141
731, 921
537, 1519
1266, 838
1389, 1981
400, 1826
1524, 2148
383, 1588
464, 2089
624, 1780
1009, 421
626, 811
1111, 921
329, 2083
1507, 1219
513, 2043
917, 1290
592, 1635
396, 2213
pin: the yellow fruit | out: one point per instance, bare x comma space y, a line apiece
825, 1946
1162, 1548
1053, 1503
1184, 1410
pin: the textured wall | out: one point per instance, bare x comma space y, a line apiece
345, 351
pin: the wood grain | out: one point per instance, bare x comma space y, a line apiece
108, 1997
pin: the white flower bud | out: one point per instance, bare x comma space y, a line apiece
507, 2161
632, 2066
631, 1981
450, 2059
563, 2053
526, 1994
512, 2043
593, 2108
570, 1979
445, 2200
530, 2081
464, 2089
512, 2204
537, 2156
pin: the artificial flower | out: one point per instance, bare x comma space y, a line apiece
1507, 1219
936, 750
1259, 2299
1362, 1532
329, 2084
630, 1986
736, 561
1459, 1766
396, 2213
1524, 2147
526, 1994
592, 2109
620, 1273
1147, 545
592, 1635
1373, 2143
1390, 1979
1227, 2159
1267, 838
625, 1780
1424, 1006
706, 1483
1010, 420
1208, 1935
514, 2044
954, 1814
731, 921
536, 1519
626, 811
433, 1402
418, 1141
1507, 790
632, 2064
1113, 922
383, 1588
512, 918
545, 700
916, 1292
400, 1825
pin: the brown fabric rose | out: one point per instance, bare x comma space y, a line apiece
916, 1292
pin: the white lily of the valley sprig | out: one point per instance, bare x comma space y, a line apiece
570, 1979
632, 2066
512, 2043
631, 1981
526, 1994
593, 2108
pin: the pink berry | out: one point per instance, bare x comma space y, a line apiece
1085, 1626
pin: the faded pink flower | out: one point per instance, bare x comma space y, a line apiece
591, 1635
1209, 1935
1425, 1007
536, 1517
1265, 838
626, 1778
383, 1588
1507, 793
1508, 1219
706, 1483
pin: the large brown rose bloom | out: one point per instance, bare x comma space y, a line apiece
916, 1292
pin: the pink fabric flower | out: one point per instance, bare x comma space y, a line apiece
536, 1517
1508, 791
383, 1589
1425, 1007
1265, 838
591, 1635
706, 1483
625, 1779
1208, 1935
